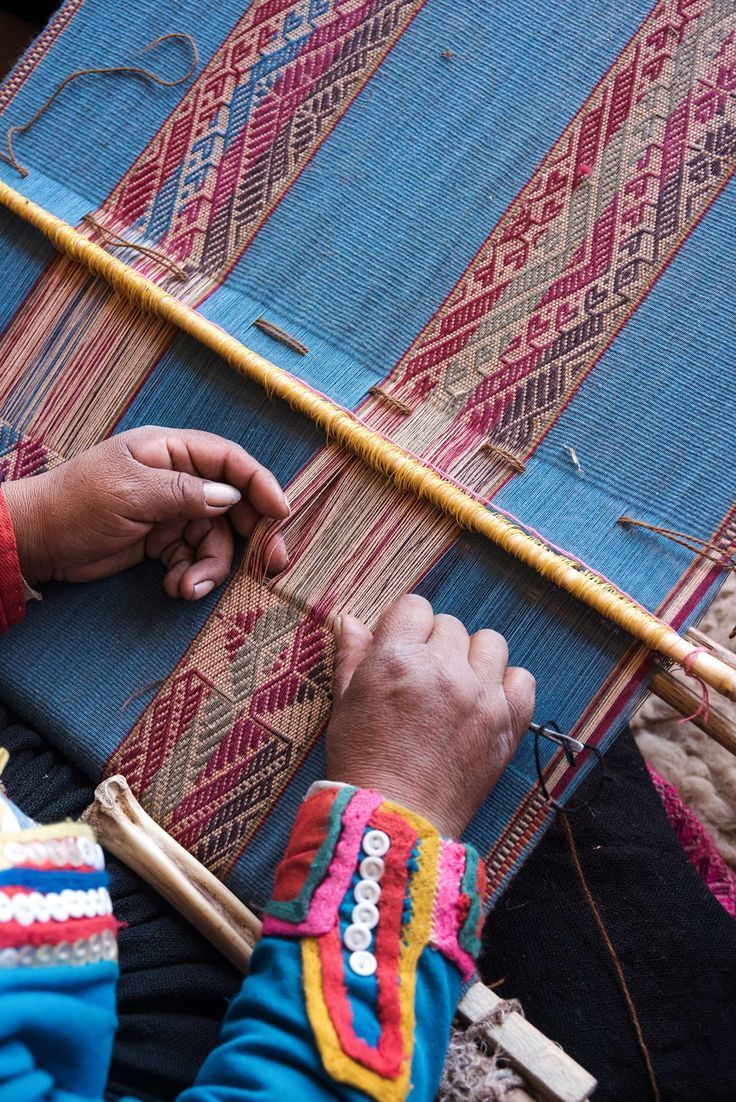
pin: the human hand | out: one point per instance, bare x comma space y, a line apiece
424, 713
168, 494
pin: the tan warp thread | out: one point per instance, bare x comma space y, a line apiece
407, 472
129, 70
114, 240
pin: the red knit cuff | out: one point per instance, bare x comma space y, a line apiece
12, 596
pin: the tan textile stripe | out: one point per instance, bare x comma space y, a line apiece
606, 705
73, 355
567, 265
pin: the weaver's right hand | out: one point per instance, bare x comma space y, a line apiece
424, 713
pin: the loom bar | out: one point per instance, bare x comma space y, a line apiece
382, 455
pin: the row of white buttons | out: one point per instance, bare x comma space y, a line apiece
101, 946
57, 851
367, 892
27, 908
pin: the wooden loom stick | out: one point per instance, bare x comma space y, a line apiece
381, 454
124, 828
689, 704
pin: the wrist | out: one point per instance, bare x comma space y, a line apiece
28, 514
395, 789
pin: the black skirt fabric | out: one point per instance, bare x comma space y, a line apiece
676, 944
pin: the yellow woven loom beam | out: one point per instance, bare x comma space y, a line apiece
409, 474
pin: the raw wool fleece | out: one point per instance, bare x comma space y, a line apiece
702, 771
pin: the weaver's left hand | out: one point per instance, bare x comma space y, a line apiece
162, 493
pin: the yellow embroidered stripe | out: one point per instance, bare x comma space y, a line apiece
422, 893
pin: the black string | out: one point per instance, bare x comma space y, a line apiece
569, 808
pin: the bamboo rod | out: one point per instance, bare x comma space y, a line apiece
125, 830
379, 453
687, 703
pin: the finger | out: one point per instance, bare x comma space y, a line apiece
519, 687
408, 620
165, 535
449, 634
275, 555
488, 655
214, 459
353, 639
212, 561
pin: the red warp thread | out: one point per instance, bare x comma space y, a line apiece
702, 708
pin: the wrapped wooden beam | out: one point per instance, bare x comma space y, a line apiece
125, 830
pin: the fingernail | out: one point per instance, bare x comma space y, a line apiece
286, 503
337, 627
220, 496
201, 589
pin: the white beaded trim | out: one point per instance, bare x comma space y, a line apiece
60, 852
89, 950
29, 907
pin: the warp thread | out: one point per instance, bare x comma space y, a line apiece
407, 471
130, 70
630, 1005
116, 241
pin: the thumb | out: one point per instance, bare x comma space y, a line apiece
353, 639
174, 495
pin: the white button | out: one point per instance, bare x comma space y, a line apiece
74, 901
90, 905
376, 843
107, 901
63, 952
357, 936
6, 908
26, 956
44, 956
367, 891
365, 914
371, 868
362, 963
73, 852
22, 910
99, 858
57, 852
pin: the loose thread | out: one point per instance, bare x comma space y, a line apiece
280, 335
397, 403
704, 706
116, 241
588, 895
130, 70
508, 457
706, 549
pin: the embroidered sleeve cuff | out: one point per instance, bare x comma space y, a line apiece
12, 594
368, 886
55, 909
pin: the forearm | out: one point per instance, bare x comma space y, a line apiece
334, 1020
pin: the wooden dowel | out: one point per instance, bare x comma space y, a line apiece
125, 830
700, 639
687, 702
547, 1069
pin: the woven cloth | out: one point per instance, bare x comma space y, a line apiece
514, 220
